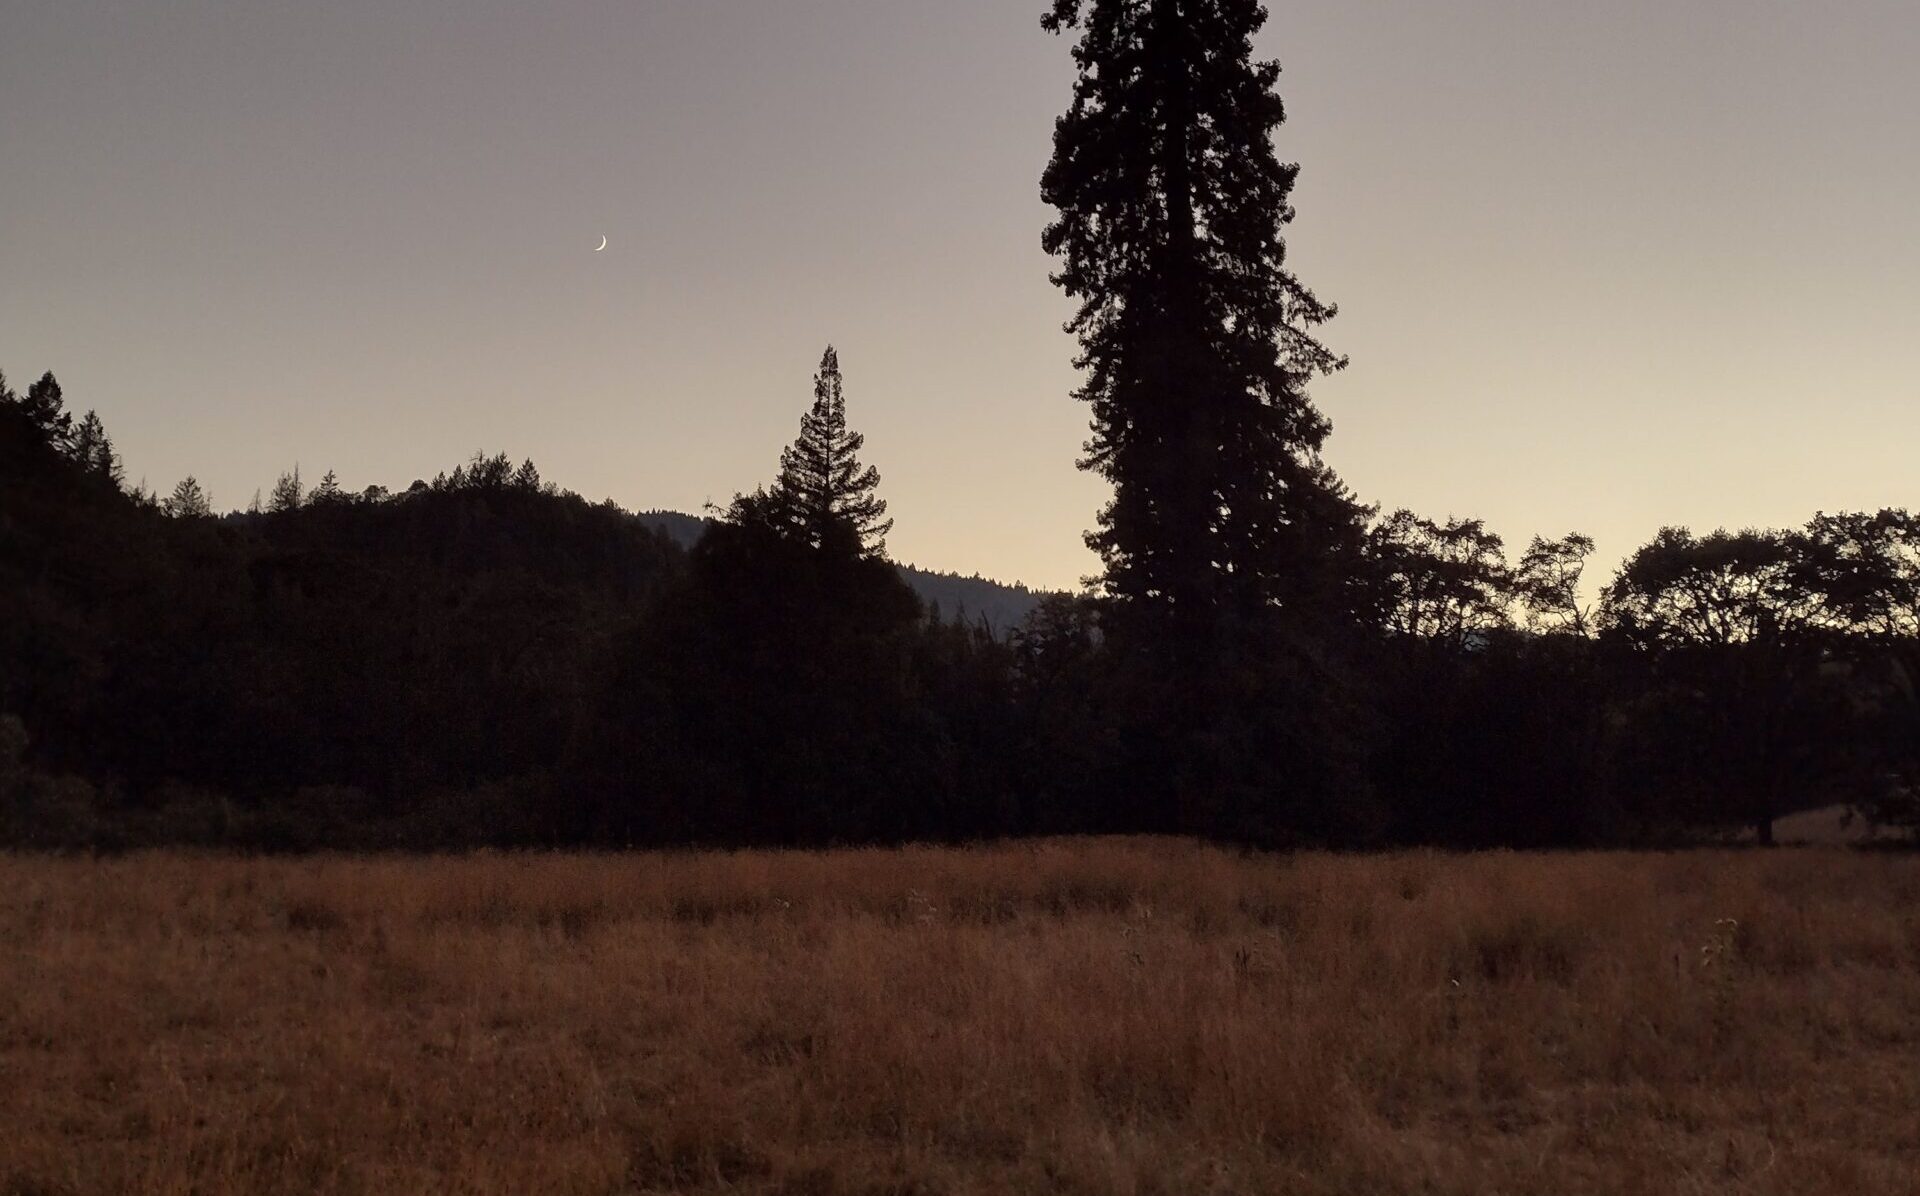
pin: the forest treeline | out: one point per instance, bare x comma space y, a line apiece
486, 659
1002, 606
1264, 658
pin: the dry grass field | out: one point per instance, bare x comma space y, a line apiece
1087, 1017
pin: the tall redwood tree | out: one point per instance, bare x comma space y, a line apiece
1197, 341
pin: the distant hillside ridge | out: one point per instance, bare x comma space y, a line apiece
1003, 606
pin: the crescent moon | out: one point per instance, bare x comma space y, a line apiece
602, 245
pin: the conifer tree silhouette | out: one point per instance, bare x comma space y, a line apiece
824, 495
1232, 552
288, 494
45, 405
92, 449
1197, 339
189, 500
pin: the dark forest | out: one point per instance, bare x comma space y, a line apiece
485, 658
1266, 659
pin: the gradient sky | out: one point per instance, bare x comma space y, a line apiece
1602, 266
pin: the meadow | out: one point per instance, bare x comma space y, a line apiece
1103, 1016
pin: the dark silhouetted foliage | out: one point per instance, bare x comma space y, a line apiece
188, 500
486, 659
1231, 550
1196, 337
772, 697
824, 494
973, 600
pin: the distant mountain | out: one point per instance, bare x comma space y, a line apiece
1002, 606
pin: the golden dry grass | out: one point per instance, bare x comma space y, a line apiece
1092, 1017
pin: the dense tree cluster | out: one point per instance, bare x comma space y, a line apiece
485, 658
481, 658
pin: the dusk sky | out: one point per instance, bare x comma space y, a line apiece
1602, 266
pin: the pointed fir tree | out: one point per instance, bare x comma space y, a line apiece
824, 496
46, 407
84, 443
188, 500
1196, 339
329, 490
287, 494
92, 449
